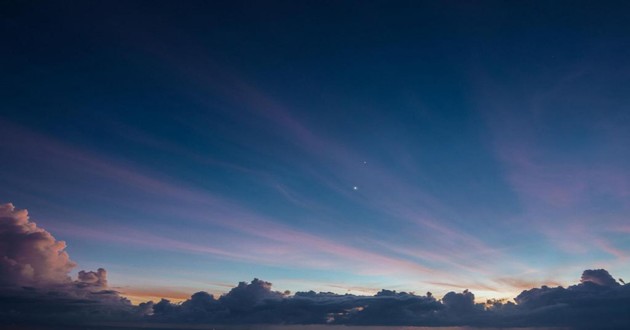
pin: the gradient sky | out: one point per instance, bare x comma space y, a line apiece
334, 146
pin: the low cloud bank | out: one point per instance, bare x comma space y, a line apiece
35, 287
593, 303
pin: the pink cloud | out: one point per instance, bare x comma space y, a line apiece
30, 255
612, 250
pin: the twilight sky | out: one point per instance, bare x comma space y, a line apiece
332, 146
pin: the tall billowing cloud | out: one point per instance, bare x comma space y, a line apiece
35, 282
29, 255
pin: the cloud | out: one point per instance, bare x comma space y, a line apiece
599, 277
247, 296
94, 279
200, 308
36, 288
597, 302
257, 303
35, 282
459, 302
393, 308
30, 256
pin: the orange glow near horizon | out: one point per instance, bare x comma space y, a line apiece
140, 295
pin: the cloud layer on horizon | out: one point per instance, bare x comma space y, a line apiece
35, 287
593, 303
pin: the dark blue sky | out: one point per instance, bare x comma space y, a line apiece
331, 145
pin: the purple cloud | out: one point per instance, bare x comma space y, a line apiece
30, 256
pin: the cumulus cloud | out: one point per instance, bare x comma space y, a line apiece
599, 277
393, 308
93, 279
596, 302
35, 282
256, 303
30, 256
459, 302
247, 296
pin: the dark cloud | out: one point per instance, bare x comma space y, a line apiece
459, 302
35, 288
245, 297
392, 308
256, 303
200, 308
599, 277
460, 308
597, 302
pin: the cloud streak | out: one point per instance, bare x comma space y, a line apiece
202, 207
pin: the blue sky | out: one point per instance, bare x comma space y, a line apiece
341, 147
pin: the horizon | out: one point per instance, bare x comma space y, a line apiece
477, 150
8, 212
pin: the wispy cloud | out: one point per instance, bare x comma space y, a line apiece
191, 204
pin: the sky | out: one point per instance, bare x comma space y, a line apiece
329, 146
